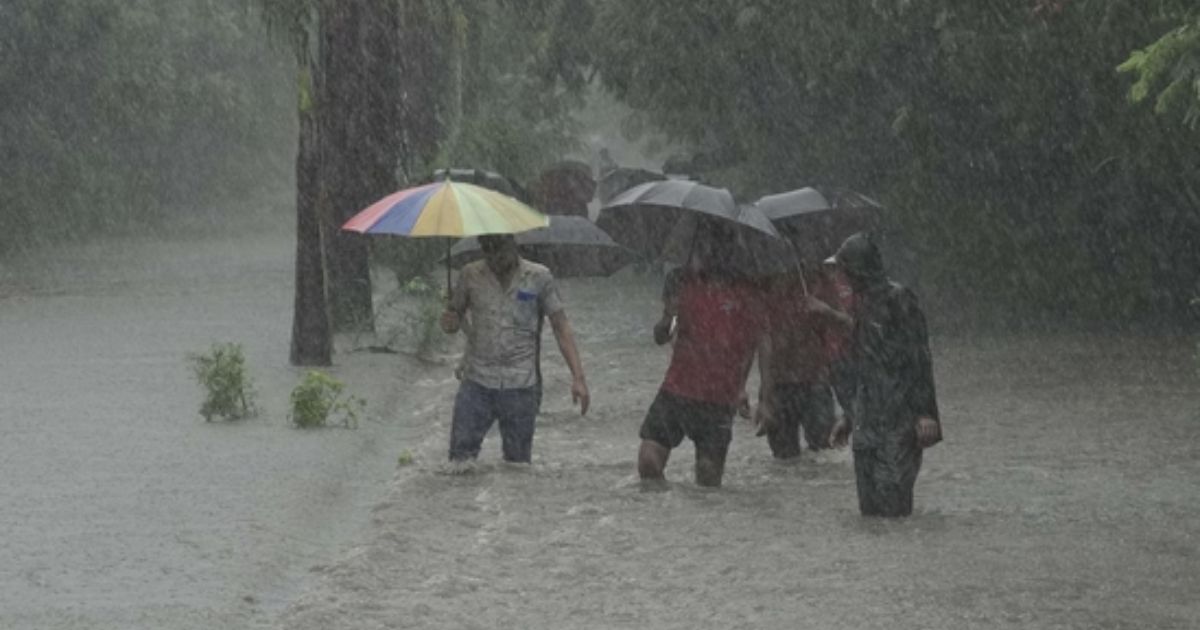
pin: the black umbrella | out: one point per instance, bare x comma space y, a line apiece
756, 253
618, 180
816, 222
571, 247
642, 217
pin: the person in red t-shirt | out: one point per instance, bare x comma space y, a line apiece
721, 323
805, 334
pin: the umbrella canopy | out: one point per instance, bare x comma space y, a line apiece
446, 209
755, 253
618, 180
816, 222
642, 217
571, 247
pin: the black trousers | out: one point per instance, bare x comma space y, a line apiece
886, 474
807, 406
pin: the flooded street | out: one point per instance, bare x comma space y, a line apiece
1063, 497
122, 508
1016, 166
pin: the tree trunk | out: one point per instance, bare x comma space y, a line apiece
312, 342
358, 127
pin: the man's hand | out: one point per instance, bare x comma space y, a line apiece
839, 435
929, 431
827, 312
451, 322
743, 407
566, 344
580, 394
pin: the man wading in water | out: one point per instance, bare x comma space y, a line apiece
803, 330
885, 383
721, 323
505, 298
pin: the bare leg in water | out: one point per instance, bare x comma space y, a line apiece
652, 461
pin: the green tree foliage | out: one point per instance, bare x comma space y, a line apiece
117, 112
998, 132
1169, 68
519, 76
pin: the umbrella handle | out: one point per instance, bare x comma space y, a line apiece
691, 249
448, 279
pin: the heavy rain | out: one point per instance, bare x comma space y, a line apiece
599, 314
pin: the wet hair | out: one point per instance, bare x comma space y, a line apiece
492, 242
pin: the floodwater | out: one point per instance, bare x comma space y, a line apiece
122, 508
1063, 497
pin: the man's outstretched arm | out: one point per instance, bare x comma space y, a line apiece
566, 345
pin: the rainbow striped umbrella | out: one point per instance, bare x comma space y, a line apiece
448, 209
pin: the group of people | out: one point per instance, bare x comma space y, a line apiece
833, 329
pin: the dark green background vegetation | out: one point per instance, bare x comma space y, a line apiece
124, 113
1033, 176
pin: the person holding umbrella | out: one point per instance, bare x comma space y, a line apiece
505, 298
808, 336
721, 322
803, 327
717, 308
888, 383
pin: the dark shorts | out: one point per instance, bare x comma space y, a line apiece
671, 418
807, 406
477, 407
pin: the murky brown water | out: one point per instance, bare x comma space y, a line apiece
1064, 497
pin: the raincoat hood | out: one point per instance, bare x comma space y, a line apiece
861, 261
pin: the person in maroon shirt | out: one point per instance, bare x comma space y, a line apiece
720, 324
806, 336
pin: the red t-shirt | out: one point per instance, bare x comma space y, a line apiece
798, 335
719, 327
841, 297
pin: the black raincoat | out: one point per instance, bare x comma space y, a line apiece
885, 381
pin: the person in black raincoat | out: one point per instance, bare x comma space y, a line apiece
885, 384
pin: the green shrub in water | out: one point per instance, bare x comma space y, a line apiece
222, 374
318, 401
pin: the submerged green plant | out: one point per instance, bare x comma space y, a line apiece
318, 401
222, 374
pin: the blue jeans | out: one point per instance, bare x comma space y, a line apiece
475, 409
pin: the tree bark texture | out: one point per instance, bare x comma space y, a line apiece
312, 343
359, 123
